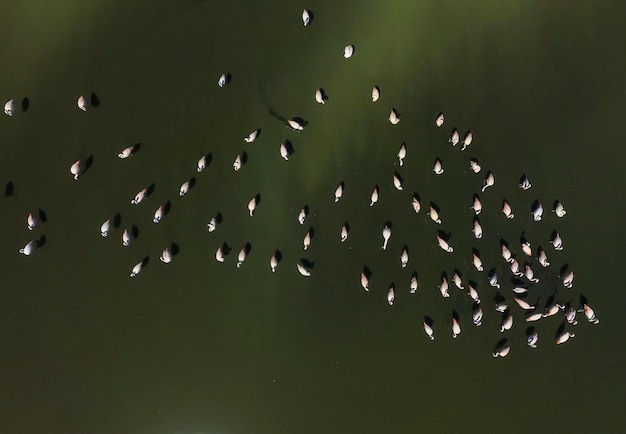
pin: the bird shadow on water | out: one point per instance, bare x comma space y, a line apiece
150, 189
429, 321
174, 248
94, 100
88, 163
117, 220
225, 248
9, 189
307, 263
134, 230
278, 255
367, 272
41, 241
43, 217
25, 104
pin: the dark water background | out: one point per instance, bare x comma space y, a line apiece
201, 347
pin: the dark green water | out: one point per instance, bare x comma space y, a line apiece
201, 347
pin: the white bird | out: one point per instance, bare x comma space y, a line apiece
394, 117
184, 188
551, 310
506, 323
252, 206
212, 225
166, 256
158, 214
344, 232
570, 314
534, 316
127, 152
201, 164
319, 96
532, 339
284, 152
237, 163
429, 331
434, 215
438, 167
456, 278
515, 268
506, 209
474, 165
559, 210
219, 254
221, 82
526, 248
520, 289
476, 205
454, 137
402, 154
141, 195
365, 282
523, 304
542, 258
252, 136
477, 229
415, 203
31, 221
242, 256
456, 328
9, 108
404, 257
104, 229
390, 295
489, 181
302, 270
568, 279
502, 351
136, 269
556, 241
295, 124
82, 103
413, 284
126, 237
564, 337
386, 236
506, 253
338, 192
444, 245
397, 182
467, 140
590, 314
493, 279
306, 241
530, 275
537, 212
375, 93
439, 120
443, 288
306, 17
348, 51
77, 169
273, 263
477, 315
29, 248
478, 264
473, 293
501, 306
524, 183
302, 216
374, 196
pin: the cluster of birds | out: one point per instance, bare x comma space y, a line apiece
519, 272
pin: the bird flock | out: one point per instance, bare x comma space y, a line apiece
516, 289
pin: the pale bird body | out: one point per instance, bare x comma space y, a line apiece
444, 245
